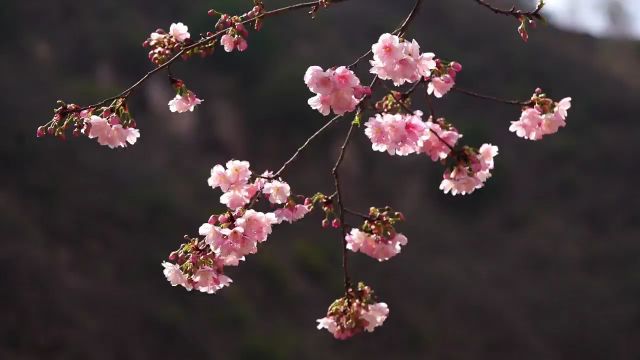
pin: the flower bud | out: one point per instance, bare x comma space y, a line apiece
335, 223
41, 131
325, 223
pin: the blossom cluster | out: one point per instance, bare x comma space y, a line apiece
108, 130
470, 170
336, 89
354, 313
236, 233
378, 237
443, 78
542, 117
163, 45
399, 60
236, 36
111, 126
185, 99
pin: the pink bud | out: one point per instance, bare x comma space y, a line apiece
335, 223
41, 131
213, 219
241, 44
456, 66
307, 201
223, 219
325, 223
361, 91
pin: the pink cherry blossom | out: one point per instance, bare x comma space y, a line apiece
400, 60
236, 198
436, 146
466, 177
376, 246
278, 191
538, 121
175, 275
184, 103
256, 225
228, 42
439, 86
375, 315
210, 280
397, 134
336, 89
110, 135
179, 31
291, 213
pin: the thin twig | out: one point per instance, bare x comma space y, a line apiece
306, 143
492, 98
513, 11
341, 212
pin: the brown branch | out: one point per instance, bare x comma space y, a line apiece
341, 211
492, 98
513, 11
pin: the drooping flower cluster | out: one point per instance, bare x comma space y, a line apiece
336, 89
164, 44
443, 78
542, 117
109, 131
185, 100
354, 313
404, 134
236, 233
236, 36
378, 237
111, 126
196, 266
400, 61
470, 170
441, 137
397, 134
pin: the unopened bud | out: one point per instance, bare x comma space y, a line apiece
335, 223
213, 219
41, 131
325, 223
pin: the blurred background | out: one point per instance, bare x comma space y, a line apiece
543, 263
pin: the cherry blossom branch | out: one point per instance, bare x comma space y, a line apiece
492, 98
126, 93
513, 11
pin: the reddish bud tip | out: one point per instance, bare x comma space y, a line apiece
325, 223
335, 223
213, 219
41, 131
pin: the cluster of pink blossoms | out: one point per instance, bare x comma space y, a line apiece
543, 117
164, 44
404, 134
108, 130
185, 100
400, 61
471, 171
336, 89
377, 237
229, 237
354, 313
443, 78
